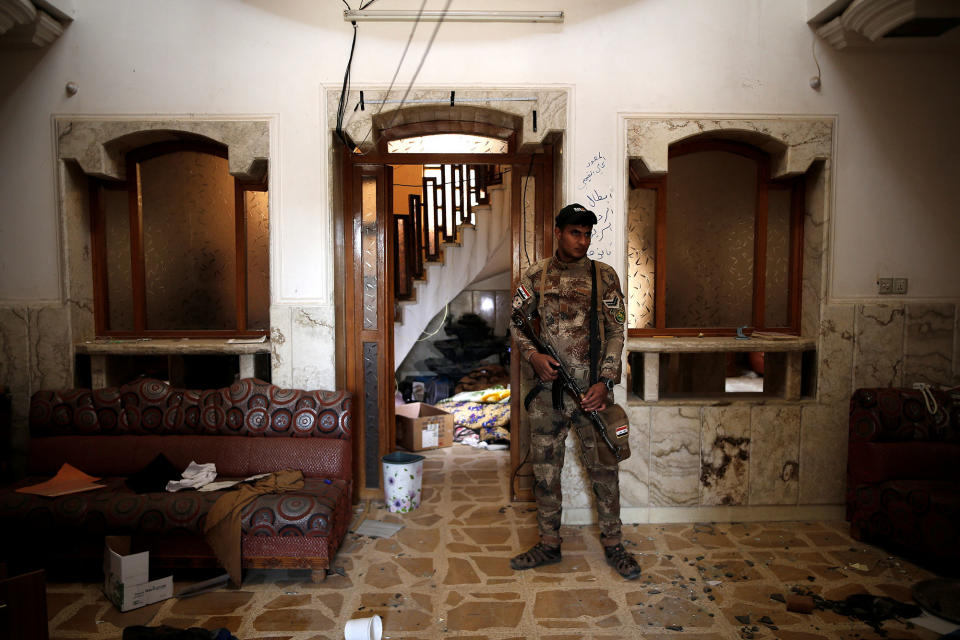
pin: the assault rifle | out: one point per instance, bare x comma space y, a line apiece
523, 320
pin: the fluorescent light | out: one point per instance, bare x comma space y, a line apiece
387, 15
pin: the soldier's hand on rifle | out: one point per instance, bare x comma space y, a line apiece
595, 399
544, 366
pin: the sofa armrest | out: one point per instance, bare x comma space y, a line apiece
875, 462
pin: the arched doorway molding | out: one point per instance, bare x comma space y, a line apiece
500, 107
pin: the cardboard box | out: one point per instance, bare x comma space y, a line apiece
126, 576
421, 426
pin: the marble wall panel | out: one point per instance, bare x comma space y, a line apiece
51, 352
635, 470
878, 345
281, 345
674, 456
835, 354
312, 342
774, 454
15, 367
928, 343
823, 453
725, 455
815, 242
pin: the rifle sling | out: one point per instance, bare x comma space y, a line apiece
594, 338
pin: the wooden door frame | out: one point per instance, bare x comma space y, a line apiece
544, 165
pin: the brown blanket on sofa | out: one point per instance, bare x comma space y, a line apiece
222, 527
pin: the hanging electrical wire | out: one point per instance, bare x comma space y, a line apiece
406, 94
403, 56
523, 214
344, 90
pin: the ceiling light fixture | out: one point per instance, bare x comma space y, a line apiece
385, 15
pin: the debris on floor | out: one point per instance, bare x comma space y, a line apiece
868, 608
377, 528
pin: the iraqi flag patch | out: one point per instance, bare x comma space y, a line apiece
523, 293
623, 431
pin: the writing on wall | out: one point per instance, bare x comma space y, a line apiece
598, 197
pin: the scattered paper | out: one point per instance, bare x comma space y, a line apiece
859, 567
378, 529
68, 480
713, 583
933, 623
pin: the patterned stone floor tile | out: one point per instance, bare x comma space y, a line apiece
446, 574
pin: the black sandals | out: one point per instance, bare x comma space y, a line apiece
625, 564
536, 556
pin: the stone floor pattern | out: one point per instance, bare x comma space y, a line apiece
446, 575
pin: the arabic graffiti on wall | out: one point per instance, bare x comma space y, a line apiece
599, 198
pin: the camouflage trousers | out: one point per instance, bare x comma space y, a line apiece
548, 432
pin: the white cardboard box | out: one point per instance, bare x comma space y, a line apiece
126, 576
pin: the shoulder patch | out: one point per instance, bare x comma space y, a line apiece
612, 302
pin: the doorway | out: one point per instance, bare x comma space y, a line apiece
371, 241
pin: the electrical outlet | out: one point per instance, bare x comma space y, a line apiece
884, 286
899, 286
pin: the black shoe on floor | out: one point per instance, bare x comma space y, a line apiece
625, 564
536, 556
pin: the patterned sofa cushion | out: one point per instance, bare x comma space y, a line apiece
116, 509
249, 407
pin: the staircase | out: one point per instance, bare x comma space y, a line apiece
444, 243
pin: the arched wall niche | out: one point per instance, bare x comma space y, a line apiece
97, 148
795, 145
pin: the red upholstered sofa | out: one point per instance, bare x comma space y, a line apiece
248, 428
903, 474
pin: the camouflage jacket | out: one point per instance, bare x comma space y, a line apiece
564, 310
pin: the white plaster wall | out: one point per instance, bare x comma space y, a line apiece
896, 192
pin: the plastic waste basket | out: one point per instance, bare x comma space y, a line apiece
402, 478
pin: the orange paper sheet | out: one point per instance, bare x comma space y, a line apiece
68, 480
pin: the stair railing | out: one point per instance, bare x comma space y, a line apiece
449, 196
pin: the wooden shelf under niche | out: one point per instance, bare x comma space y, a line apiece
107, 355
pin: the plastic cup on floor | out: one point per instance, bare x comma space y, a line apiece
363, 629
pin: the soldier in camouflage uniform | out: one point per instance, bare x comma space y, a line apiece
560, 289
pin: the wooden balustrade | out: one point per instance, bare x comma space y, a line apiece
450, 194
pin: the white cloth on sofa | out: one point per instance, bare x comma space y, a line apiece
194, 476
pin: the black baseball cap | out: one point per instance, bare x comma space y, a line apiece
575, 214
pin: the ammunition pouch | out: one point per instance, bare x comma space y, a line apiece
618, 430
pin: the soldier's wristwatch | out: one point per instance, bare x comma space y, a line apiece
608, 383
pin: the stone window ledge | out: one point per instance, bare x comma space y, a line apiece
784, 368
